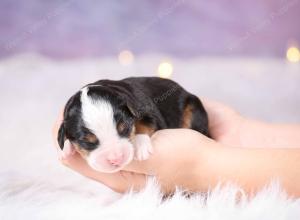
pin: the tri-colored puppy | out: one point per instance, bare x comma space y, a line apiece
110, 122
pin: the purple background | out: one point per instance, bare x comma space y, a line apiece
183, 28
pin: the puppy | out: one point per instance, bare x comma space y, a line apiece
110, 122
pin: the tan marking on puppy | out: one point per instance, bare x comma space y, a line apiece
187, 117
91, 138
84, 153
142, 128
132, 133
121, 126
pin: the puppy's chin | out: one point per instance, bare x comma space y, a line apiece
98, 160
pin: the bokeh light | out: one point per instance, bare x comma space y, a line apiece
293, 54
126, 57
165, 70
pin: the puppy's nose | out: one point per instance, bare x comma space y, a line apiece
115, 158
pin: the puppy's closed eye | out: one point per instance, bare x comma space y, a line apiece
89, 142
91, 138
123, 128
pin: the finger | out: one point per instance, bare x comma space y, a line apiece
68, 150
149, 166
55, 128
163, 142
130, 181
211, 104
215, 107
141, 167
120, 182
214, 110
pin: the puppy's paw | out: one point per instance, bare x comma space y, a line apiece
143, 147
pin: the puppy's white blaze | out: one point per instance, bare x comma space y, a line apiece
98, 116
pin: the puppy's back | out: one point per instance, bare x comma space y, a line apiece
179, 108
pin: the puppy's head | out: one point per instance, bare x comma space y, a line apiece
100, 124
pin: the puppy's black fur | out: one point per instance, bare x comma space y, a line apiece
152, 102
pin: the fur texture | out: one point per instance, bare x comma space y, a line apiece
36, 199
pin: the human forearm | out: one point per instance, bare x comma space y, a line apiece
250, 168
261, 134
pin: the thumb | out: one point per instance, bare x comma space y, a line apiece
160, 141
142, 167
148, 166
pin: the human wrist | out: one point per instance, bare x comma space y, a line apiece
250, 169
223, 165
208, 165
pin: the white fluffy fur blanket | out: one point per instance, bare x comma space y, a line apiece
34, 186
25, 197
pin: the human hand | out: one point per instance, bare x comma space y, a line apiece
225, 124
230, 128
178, 159
187, 159
175, 161
174, 149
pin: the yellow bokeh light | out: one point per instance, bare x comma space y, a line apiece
126, 57
165, 70
293, 54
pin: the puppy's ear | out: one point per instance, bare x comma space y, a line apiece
132, 110
61, 137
